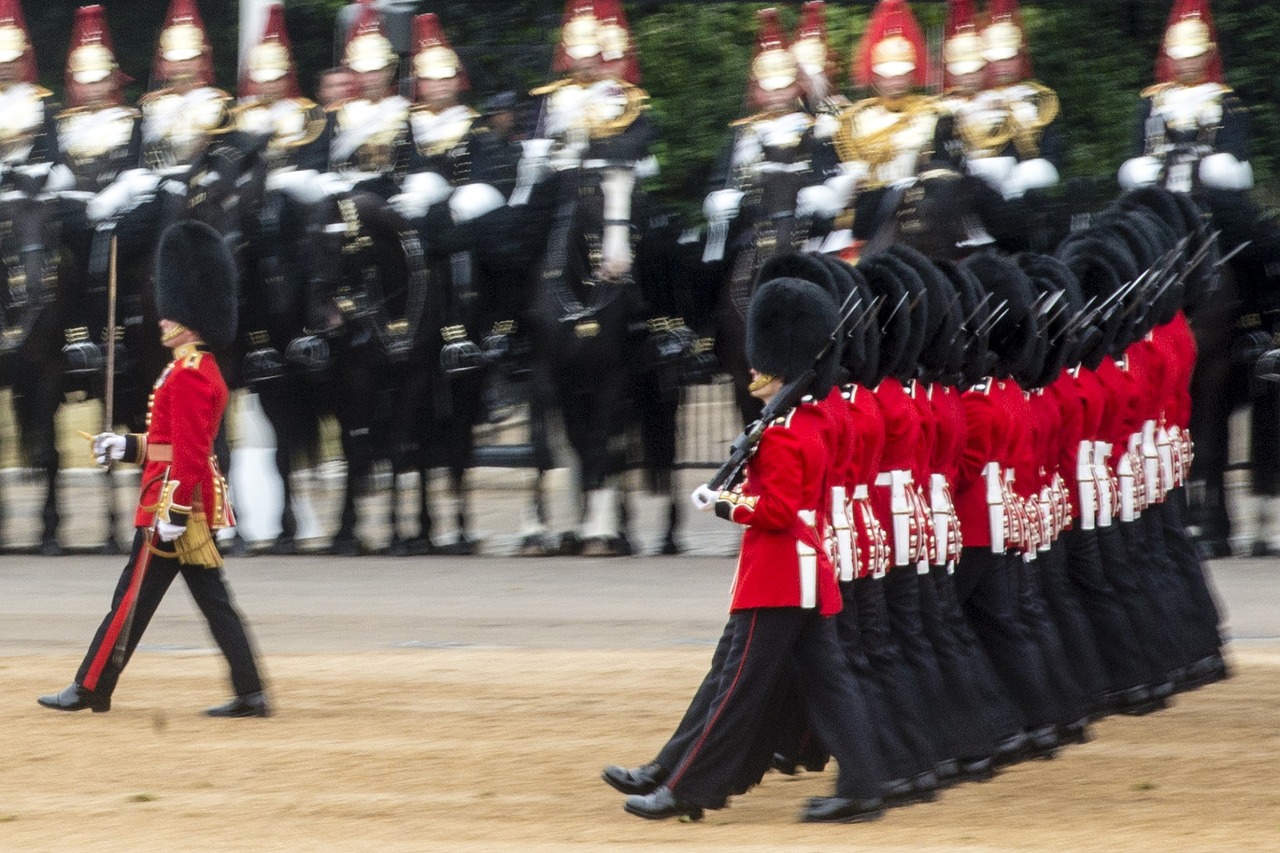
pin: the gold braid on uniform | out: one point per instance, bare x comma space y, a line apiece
195, 547
986, 141
1026, 137
637, 101
876, 148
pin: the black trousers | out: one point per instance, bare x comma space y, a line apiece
1123, 573
988, 587
1034, 610
1202, 611
1124, 662
905, 707
100, 672
764, 645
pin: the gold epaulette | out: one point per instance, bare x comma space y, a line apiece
71, 112
1152, 91
755, 117
553, 86
874, 148
41, 92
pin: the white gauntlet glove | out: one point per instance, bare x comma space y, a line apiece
107, 448
168, 531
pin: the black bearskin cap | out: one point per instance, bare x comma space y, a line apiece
1051, 276
944, 312
1099, 276
196, 282
893, 323
789, 321
1013, 337
813, 267
966, 362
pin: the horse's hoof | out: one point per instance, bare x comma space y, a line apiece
570, 545
534, 545
461, 547
345, 547
670, 547
604, 546
284, 546
50, 548
420, 546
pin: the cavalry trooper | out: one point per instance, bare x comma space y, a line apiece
594, 132
179, 118
291, 126
184, 497
1193, 137
28, 143
1009, 130
964, 69
271, 105
885, 138
368, 134
99, 141
771, 160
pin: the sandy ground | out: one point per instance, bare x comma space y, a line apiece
500, 749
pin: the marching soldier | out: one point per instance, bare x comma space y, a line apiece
184, 497
784, 591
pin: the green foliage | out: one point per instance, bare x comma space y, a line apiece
695, 56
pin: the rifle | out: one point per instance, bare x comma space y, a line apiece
787, 398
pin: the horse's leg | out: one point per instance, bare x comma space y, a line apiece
46, 407
422, 543
1264, 454
1215, 388
534, 541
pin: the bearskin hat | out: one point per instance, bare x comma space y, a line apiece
1013, 336
944, 315
812, 267
1051, 276
966, 358
196, 282
894, 324
1100, 275
789, 321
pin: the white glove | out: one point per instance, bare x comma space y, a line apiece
168, 531
1138, 172
108, 447
704, 498
1224, 171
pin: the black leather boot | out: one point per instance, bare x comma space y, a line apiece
76, 698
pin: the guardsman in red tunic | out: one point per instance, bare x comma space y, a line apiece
784, 589
184, 497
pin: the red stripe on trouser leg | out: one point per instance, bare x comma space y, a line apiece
108, 644
693, 750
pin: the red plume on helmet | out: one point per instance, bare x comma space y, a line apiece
811, 47
91, 56
184, 36
1003, 15
433, 55
15, 40
1186, 12
367, 47
772, 67
616, 42
579, 34
961, 41
272, 56
891, 20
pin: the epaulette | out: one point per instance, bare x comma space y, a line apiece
188, 355
41, 91
75, 111
1152, 91
552, 86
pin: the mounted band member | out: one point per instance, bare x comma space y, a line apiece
99, 141
886, 138
270, 104
184, 497
368, 135
28, 143
1009, 130
771, 161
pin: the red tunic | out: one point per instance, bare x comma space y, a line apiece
183, 416
786, 476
